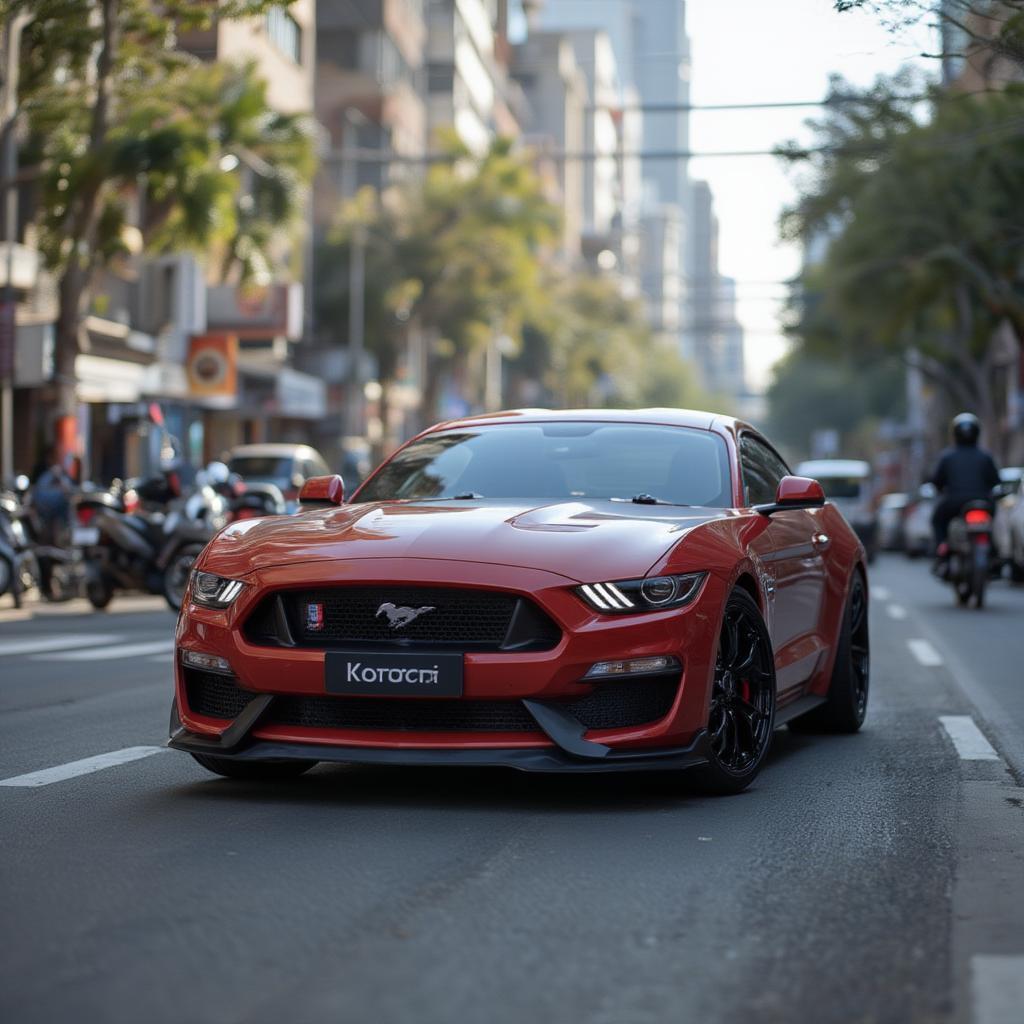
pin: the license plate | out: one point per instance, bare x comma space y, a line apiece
393, 675
85, 536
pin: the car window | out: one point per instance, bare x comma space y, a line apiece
678, 465
263, 469
841, 486
762, 471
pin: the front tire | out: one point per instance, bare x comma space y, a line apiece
177, 573
847, 701
257, 771
741, 716
99, 593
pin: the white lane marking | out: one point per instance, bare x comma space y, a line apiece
86, 766
896, 611
997, 989
882, 593
968, 739
925, 653
55, 643
109, 653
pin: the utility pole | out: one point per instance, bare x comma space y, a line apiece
353, 420
8, 171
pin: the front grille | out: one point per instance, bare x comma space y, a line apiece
610, 706
357, 615
214, 695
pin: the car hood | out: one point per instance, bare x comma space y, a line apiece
581, 540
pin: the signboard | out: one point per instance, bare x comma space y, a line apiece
255, 313
213, 369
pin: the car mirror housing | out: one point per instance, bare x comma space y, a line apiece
322, 490
795, 492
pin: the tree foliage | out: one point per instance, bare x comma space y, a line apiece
922, 225
126, 129
464, 255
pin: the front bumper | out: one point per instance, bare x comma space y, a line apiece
539, 684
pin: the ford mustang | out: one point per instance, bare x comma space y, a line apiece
551, 591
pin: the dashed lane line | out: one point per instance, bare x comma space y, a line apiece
968, 739
925, 653
86, 766
896, 611
997, 989
113, 653
40, 644
882, 593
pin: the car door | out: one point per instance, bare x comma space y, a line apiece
793, 563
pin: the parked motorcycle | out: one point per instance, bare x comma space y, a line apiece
152, 549
970, 553
18, 570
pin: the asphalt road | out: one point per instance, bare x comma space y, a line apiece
871, 878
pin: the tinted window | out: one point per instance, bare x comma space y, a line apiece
263, 469
841, 486
560, 460
762, 471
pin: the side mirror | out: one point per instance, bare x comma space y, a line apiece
795, 492
322, 490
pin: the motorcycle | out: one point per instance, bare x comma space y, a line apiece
969, 558
151, 549
18, 569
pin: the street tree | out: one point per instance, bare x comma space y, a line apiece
457, 253
988, 32
923, 225
134, 145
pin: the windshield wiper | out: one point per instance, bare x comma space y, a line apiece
465, 496
648, 499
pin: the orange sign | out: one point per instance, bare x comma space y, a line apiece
213, 367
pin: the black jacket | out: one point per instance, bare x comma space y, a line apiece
965, 472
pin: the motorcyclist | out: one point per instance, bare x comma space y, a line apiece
966, 472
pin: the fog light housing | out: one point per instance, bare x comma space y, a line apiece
206, 662
632, 667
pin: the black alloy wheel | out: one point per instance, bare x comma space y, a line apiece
847, 702
741, 715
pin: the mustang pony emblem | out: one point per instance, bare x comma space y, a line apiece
399, 617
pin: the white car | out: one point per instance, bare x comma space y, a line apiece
918, 535
847, 485
1008, 525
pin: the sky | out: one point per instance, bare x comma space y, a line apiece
767, 51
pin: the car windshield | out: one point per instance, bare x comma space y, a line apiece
263, 469
675, 465
841, 486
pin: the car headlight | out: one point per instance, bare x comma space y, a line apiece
652, 594
212, 591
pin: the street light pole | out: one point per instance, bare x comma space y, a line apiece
9, 170
356, 281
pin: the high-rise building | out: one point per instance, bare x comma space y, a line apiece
468, 85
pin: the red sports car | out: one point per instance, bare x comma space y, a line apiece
552, 591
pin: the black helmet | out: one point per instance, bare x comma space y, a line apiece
966, 428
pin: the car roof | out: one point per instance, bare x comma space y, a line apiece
834, 467
669, 417
274, 449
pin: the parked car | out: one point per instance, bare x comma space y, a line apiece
1008, 525
890, 520
918, 536
286, 466
590, 591
847, 484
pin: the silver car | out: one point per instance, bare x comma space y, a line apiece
847, 484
